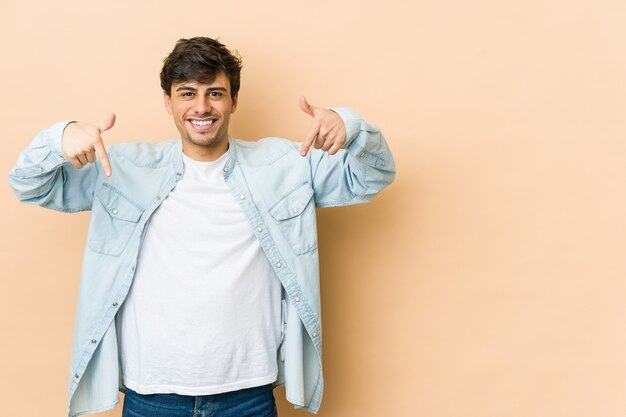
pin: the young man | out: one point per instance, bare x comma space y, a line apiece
199, 290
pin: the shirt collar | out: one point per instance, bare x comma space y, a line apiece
179, 167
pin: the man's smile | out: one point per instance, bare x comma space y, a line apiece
202, 125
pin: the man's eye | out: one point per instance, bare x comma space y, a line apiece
215, 94
187, 94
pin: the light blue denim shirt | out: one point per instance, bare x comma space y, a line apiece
278, 191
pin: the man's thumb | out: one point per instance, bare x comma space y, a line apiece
108, 123
306, 107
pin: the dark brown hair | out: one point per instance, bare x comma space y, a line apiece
200, 59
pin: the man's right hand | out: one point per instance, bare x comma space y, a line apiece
82, 143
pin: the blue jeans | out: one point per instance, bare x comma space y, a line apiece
249, 402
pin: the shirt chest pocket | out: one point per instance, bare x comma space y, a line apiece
295, 216
114, 217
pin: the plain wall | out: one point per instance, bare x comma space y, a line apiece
487, 281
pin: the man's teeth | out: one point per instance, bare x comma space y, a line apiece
202, 122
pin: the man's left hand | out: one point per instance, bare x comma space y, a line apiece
327, 131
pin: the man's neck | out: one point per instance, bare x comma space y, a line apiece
205, 153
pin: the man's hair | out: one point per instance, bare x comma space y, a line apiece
200, 59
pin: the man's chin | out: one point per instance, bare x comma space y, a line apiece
203, 141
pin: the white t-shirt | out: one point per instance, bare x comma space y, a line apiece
203, 313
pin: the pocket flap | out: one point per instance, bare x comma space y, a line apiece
117, 205
293, 204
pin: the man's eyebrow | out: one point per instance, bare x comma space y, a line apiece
184, 87
187, 88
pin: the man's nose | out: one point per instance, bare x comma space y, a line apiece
202, 105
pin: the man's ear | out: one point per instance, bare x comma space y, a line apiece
168, 102
235, 101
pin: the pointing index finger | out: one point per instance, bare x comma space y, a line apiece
103, 157
310, 138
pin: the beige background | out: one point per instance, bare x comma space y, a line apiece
487, 281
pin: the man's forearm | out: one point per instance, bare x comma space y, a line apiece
43, 176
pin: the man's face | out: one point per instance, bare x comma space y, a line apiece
202, 113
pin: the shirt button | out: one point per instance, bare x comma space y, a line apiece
362, 154
76, 376
295, 209
278, 264
40, 169
314, 334
225, 169
178, 174
114, 304
259, 229
297, 299
114, 211
94, 341
158, 197
242, 197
